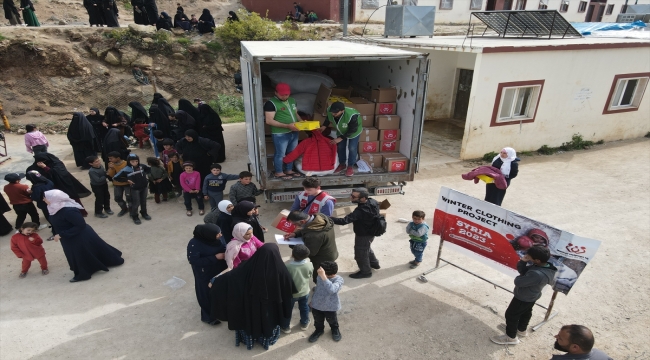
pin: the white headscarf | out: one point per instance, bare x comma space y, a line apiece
235, 244
58, 200
223, 205
505, 167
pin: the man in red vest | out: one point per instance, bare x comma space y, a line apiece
313, 200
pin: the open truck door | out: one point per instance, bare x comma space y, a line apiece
423, 108
251, 131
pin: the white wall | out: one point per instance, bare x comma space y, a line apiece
460, 12
576, 87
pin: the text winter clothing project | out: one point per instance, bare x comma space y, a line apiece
491, 171
318, 154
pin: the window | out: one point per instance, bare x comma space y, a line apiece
516, 102
564, 6
626, 92
542, 6
521, 5
582, 7
610, 9
507, 5
476, 4
446, 4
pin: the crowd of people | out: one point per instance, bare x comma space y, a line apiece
299, 15
12, 13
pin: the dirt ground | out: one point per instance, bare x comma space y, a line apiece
129, 312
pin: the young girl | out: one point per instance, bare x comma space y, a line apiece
191, 183
242, 246
168, 146
175, 169
27, 245
139, 131
158, 180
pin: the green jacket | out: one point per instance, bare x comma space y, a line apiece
343, 125
285, 112
319, 238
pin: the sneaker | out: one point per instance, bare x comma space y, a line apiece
502, 327
122, 212
360, 275
504, 340
314, 337
22, 276
136, 220
286, 331
376, 267
109, 211
414, 265
336, 335
349, 171
339, 168
304, 327
146, 216
41, 227
45, 272
413, 262
101, 216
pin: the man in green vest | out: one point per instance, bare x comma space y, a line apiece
347, 123
281, 113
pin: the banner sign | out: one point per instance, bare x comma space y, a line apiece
498, 237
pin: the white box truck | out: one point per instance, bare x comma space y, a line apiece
364, 67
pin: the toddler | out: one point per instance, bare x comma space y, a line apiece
139, 133
301, 270
191, 183
27, 245
159, 179
175, 169
325, 301
418, 231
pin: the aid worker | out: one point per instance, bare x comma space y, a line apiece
347, 123
313, 200
281, 113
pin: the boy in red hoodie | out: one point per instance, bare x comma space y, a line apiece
27, 245
20, 198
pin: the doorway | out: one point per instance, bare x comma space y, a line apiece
463, 90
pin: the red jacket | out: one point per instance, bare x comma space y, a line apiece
318, 153
491, 171
28, 250
139, 131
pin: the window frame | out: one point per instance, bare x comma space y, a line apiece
520, 5
612, 91
582, 6
451, 4
494, 121
564, 6
610, 9
472, 7
542, 6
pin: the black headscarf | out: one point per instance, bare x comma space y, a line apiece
162, 103
188, 107
112, 116
138, 111
186, 122
164, 22
240, 214
80, 130
59, 175
210, 127
207, 234
98, 118
207, 17
35, 177
256, 295
161, 120
233, 16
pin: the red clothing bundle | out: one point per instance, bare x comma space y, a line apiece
491, 171
318, 153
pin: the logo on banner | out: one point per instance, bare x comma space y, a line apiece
576, 249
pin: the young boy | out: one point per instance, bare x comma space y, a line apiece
214, 184
19, 197
244, 188
35, 141
528, 288
301, 270
120, 188
136, 175
191, 183
418, 231
99, 187
325, 301
27, 245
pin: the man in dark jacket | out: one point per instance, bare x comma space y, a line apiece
363, 220
317, 231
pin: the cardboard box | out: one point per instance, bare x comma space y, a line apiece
368, 147
389, 146
345, 92
384, 95
280, 222
389, 135
363, 106
386, 108
369, 134
270, 148
395, 162
320, 118
387, 122
367, 120
373, 160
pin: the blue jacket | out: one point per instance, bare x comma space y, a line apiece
326, 294
217, 183
418, 232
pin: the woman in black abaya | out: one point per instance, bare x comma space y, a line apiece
81, 136
109, 9
140, 15
95, 14
188, 107
85, 251
97, 121
206, 22
138, 112
112, 117
164, 22
11, 12
254, 297
205, 252
163, 104
200, 151
210, 127
185, 121
159, 120
5, 226
114, 141
181, 21
152, 10
52, 168
243, 212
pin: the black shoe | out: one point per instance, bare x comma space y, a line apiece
376, 267
75, 280
136, 220
336, 335
109, 211
146, 217
360, 275
122, 212
314, 337
102, 216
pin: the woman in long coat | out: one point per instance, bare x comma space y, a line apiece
205, 253
82, 138
152, 11
114, 141
140, 15
206, 22
201, 151
29, 13
164, 22
210, 127
109, 9
508, 162
11, 12
95, 14
96, 119
5, 226
85, 251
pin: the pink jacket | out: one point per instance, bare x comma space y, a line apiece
191, 181
35, 138
491, 171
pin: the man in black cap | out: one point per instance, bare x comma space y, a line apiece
19, 197
347, 123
